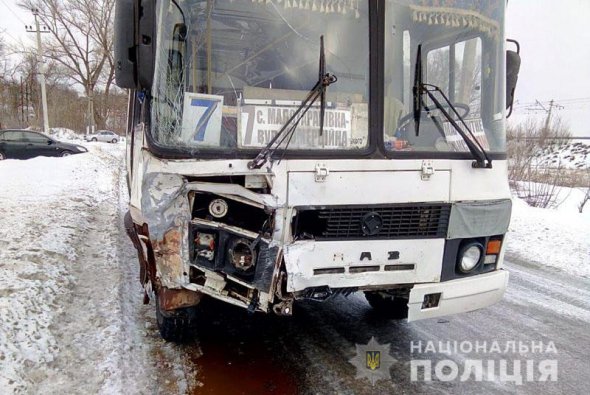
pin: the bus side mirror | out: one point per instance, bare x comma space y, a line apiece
146, 36
512, 69
124, 43
134, 43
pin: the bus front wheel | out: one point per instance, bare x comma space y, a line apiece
388, 305
176, 325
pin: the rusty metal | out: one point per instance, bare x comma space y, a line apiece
171, 299
146, 265
169, 264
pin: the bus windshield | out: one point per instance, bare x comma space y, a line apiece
229, 74
462, 53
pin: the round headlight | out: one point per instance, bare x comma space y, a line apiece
470, 257
218, 208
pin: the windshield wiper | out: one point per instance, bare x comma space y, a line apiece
288, 129
482, 160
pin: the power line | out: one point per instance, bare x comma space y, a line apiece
13, 13
579, 100
546, 108
10, 35
537, 106
576, 99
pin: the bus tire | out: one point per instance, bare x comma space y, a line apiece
176, 325
388, 306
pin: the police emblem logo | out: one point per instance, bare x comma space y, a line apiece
373, 360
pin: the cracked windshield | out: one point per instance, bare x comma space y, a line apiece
229, 74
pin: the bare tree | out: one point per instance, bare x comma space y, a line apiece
3, 60
81, 43
9, 89
467, 70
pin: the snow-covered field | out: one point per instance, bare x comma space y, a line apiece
569, 155
557, 237
71, 318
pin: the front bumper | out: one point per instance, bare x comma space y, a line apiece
458, 296
307, 260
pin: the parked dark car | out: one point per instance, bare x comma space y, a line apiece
25, 144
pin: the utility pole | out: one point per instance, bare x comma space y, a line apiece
41, 67
90, 109
22, 102
28, 97
548, 119
549, 110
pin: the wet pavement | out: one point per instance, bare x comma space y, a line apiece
309, 353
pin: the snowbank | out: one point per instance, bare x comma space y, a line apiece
569, 155
71, 318
557, 238
65, 134
42, 204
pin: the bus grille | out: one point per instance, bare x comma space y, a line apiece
400, 221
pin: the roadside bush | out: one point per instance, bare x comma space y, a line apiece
531, 177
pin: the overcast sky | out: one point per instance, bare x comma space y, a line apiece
555, 50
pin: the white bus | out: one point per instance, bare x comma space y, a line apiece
283, 150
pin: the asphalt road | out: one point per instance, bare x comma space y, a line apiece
309, 353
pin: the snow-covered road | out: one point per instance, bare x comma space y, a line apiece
71, 318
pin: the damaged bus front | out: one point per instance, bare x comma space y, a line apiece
284, 150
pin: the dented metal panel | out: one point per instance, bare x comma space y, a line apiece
238, 191
164, 201
166, 209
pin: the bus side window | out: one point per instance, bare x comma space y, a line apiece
456, 70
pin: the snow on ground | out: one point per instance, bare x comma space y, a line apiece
570, 155
65, 134
71, 318
557, 238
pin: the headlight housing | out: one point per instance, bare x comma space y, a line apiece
469, 257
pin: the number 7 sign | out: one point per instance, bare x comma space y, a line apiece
201, 120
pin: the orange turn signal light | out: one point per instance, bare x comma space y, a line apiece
494, 247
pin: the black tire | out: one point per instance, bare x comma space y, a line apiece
94, 139
2, 156
66, 153
388, 305
114, 141
176, 325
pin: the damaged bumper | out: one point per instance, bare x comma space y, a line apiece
345, 264
251, 246
185, 249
